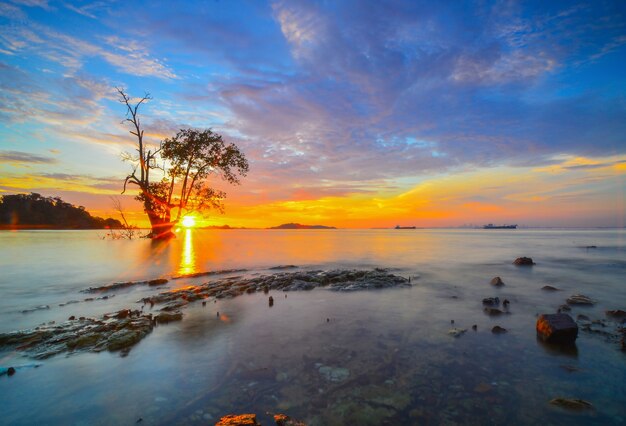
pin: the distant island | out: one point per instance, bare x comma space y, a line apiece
299, 226
32, 211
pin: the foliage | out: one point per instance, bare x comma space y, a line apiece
194, 155
183, 163
33, 210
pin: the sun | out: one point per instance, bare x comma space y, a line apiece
189, 221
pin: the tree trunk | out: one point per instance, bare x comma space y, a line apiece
161, 227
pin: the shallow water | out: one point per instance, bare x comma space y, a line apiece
373, 357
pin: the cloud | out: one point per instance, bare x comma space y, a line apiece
128, 56
19, 157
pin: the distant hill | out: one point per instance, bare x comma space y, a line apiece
299, 226
32, 211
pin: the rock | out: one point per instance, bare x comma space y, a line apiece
497, 281
491, 301
493, 311
506, 303
475, 327
564, 308
498, 330
523, 261
280, 267
617, 313
579, 299
572, 404
557, 328
582, 317
124, 313
238, 420
158, 281
124, 339
457, 332
591, 247
284, 420
550, 288
10, 371
168, 316
338, 374
71, 318
271, 301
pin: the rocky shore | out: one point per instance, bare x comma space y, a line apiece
121, 330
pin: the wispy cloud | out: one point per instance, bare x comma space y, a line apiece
19, 157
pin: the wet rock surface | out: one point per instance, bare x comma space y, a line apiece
497, 281
209, 273
557, 328
550, 288
119, 331
580, 299
238, 420
335, 280
523, 261
123, 285
572, 404
498, 330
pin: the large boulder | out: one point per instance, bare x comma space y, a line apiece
557, 328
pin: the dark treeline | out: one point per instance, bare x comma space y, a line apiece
34, 211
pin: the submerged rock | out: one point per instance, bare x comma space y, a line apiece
493, 311
617, 313
497, 281
580, 299
457, 332
498, 330
238, 420
284, 420
334, 374
557, 328
158, 281
564, 308
491, 301
523, 261
572, 404
550, 288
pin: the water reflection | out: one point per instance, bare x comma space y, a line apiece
188, 255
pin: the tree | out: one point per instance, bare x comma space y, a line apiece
183, 165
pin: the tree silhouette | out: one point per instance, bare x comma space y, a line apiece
183, 165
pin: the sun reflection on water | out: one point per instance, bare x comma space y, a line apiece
188, 255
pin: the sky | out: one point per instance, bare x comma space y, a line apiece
352, 114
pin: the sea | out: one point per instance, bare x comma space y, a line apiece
323, 357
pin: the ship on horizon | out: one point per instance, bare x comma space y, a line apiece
492, 226
404, 227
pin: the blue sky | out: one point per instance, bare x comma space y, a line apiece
341, 106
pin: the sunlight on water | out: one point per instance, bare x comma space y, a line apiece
188, 255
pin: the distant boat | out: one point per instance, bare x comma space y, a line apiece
492, 226
405, 227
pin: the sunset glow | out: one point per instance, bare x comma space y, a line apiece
449, 116
188, 221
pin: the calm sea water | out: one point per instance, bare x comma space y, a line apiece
391, 348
